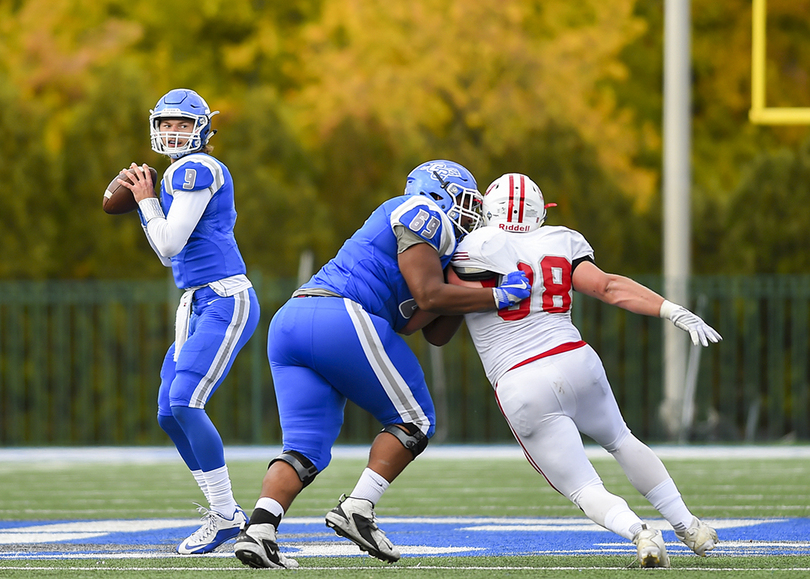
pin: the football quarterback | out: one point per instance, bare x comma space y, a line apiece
190, 228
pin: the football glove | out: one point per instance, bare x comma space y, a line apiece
515, 287
699, 331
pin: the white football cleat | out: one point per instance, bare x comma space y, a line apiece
699, 537
651, 549
256, 546
355, 519
215, 530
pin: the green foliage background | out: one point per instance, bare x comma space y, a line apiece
326, 105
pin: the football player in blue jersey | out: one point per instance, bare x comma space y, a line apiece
336, 339
191, 229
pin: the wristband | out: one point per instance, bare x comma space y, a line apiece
666, 309
151, 208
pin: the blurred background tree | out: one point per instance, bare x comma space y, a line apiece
326, 105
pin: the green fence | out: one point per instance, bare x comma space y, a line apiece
79, 364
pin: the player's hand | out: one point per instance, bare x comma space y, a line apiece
699, 331
515, 287
140, 182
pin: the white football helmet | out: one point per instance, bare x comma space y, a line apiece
513, 202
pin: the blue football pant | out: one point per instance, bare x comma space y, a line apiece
325, 350
218, 329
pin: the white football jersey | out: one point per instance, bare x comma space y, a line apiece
510, 336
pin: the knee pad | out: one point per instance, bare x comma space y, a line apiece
411, 438
168, 423
621, 439
303, 466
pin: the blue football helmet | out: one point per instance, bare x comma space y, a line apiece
453, 188
186, 104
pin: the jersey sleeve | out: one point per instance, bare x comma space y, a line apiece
580, 248
406, 238
193, 176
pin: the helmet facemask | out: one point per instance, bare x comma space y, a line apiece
466, 212
184, 143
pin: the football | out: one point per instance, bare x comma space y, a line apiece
118, 199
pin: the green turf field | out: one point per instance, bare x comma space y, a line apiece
483, 487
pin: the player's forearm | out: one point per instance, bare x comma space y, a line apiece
630, 295
418, 320
445, 299
422, 270
170, 233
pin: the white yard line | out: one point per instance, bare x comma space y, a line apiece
399, 569
152, 454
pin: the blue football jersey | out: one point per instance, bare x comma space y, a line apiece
365, 269
211, 252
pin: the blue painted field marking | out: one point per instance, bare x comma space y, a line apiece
415, 537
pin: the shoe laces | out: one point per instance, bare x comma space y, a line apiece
209, 525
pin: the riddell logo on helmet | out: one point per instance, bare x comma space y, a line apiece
514, 227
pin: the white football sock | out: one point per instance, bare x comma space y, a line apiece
219, 488
667, 500
622, 521
371, 486
200, 478
272, 506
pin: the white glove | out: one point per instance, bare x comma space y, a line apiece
699, 331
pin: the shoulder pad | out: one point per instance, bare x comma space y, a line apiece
193, 175
485, 249
424, 219
576, 241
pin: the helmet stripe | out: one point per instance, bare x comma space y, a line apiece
511, 198
516, 198
522, 200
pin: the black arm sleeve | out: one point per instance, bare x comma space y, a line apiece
474, 274
578, 261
